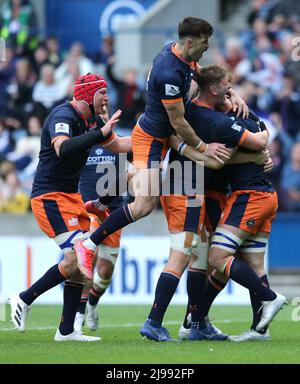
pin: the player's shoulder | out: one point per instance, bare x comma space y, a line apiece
63, 111
165, 63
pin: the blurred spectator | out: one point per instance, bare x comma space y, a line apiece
47, 91
6, 144
40, 57
233, 54
76, 55
18, 25
261, 9
7, 73
287, 105
276, 152
54, 56
130, 98
291, 179
20, 91
106, 50
12, 197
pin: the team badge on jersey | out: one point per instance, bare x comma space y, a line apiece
171, 90
62, 128
236, 127
250, 223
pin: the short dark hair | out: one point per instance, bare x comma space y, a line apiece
195, 27
211, 75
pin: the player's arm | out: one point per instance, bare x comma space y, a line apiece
191, 153
66, 147
119, 144
259, 158
175, 111
255, 141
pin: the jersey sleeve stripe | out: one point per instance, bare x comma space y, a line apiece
170, 101
109, 140
243, 138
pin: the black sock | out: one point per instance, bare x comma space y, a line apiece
49, 280
82, 304
165, 289
213, 288
94, 297
256, 305
117, 219
195, 288
185, 323
72, 295
241, 273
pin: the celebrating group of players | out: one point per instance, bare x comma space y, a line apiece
218, 233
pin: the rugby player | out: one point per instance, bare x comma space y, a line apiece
168, 84
258, 200
185, 215
56, 203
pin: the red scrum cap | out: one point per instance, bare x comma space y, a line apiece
87, 85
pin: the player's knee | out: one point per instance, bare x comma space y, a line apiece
143, 208
183, 242
101, 282
199, 258
106, 271
214, 258
69, 264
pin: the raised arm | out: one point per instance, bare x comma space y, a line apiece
175, 112
191, 153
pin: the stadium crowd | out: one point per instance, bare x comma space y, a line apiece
37, 75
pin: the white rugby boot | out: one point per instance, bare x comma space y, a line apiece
74, 336
184, 333
250, 335
270, 310
19, 312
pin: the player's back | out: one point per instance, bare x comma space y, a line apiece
247, 176
53, 174
169, 81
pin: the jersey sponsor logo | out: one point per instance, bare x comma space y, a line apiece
171, 90
94, 160
99, 151
62, 128
250, 223
236, 127
73, 221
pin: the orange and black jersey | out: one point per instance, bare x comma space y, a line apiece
247, 176
54, 174
169, 81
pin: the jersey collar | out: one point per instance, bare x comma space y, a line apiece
201, 104
191, 64
79, 113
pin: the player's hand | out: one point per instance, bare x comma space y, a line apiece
217, 151
104, 114
238, 105
112, 122
268, 165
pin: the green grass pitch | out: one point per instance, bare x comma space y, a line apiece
122, 344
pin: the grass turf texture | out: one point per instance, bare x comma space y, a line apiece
122, 344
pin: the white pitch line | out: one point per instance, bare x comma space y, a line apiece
127, 325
